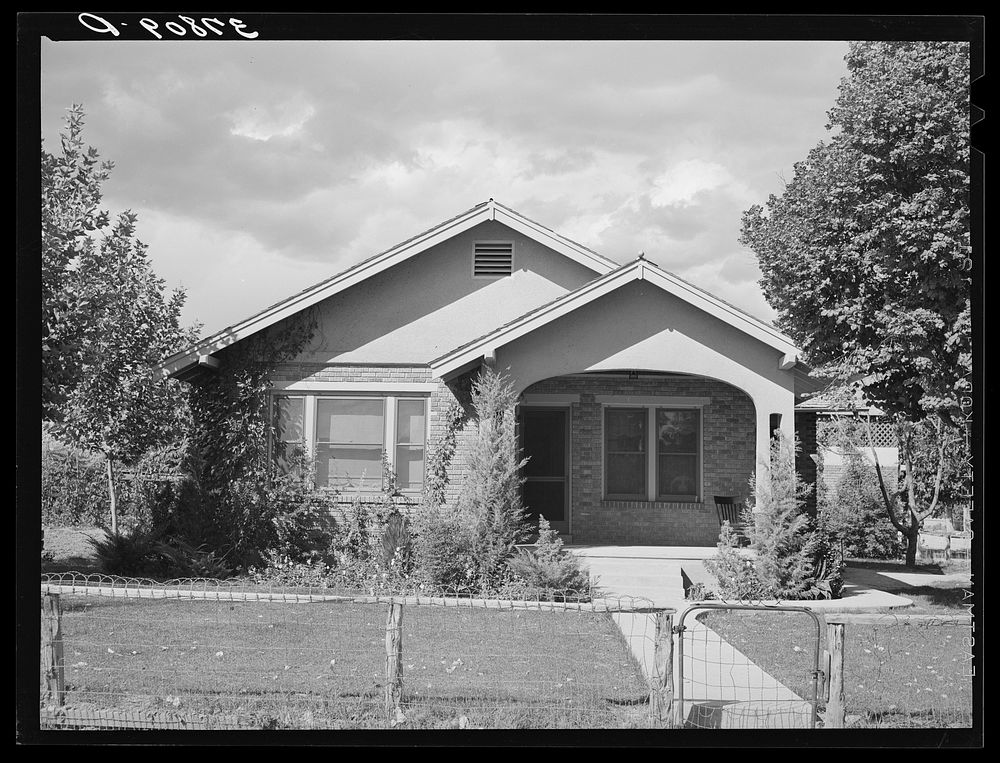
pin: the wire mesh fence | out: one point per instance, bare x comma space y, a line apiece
748, 666
900, 671
207, 654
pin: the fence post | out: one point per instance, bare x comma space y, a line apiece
394, 662
835, 705
661, 695
826, 675
52, 649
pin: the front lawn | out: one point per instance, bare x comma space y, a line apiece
897, 673
218, 664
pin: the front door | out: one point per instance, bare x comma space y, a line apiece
545, 442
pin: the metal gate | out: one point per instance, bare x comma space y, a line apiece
747, 666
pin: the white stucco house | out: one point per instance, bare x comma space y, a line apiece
642, 397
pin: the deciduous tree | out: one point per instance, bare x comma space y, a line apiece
866, 254
71, 195
109, 319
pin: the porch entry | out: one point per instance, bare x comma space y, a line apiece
545, 442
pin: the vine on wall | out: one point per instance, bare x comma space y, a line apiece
440, 456
232, 429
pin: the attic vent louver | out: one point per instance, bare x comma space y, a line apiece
493, 259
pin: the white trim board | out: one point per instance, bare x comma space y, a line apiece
549, 399
405, 388
674, 401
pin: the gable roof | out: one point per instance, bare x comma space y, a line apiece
637, 270
182, 364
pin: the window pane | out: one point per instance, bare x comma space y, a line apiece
677, 431
409, 467
410, 422
289, 456
678, 475
626, 475
625, 431
289, 417
349, 421
349, 467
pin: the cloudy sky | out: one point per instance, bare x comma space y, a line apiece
259, 168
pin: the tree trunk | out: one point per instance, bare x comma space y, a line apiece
912, 538
112, 495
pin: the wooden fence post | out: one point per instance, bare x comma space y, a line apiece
661, 694
825, 666
394, 662
836, 703
52, 649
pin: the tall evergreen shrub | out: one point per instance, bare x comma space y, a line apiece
791, 555
490, 497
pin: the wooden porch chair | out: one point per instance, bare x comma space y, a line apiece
729, 510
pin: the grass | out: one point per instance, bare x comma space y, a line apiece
944, 586
267, 665
896, 673
68, 549
943, 567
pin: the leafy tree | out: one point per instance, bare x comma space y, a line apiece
932, 472
866, 254
110, 319
71, 194
933, 476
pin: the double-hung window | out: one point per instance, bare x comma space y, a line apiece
678, 438
626, 445
350, 439
652, 453
411, 426
347, 435
289, 425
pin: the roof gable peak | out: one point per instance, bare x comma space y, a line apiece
489, 210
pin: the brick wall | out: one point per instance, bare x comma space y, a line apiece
729, 452
319, 372
728, 438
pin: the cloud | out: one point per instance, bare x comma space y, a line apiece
682, 182
236, 275
265, 121
303, 158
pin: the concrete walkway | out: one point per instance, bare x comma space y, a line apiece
722, 687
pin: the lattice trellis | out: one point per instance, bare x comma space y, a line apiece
829, 430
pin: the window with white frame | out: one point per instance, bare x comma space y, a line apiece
289, 424
346, 436
652, 453
626, 445
678, 446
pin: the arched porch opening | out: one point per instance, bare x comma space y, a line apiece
630, 456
